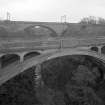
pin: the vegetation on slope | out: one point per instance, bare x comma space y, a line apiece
19, 90
67, 80
73, 79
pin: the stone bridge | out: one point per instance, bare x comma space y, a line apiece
18, 56
16, 26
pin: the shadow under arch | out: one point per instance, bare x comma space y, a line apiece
46, 57
30, 55
9, 59
94, 49
103, 50
29, 31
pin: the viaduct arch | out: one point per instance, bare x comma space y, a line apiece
8, 59
28, 29
30, 55
94, 48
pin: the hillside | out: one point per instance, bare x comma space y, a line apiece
84, 30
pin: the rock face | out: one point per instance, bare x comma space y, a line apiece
73, 80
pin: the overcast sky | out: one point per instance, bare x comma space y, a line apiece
51, 10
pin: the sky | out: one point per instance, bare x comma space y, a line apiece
51, 10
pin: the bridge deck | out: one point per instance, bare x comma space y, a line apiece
17, 67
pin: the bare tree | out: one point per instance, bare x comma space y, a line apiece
92, 20
101, 20
89, 20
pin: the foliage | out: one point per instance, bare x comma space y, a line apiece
75, 77
64, 78
19, 90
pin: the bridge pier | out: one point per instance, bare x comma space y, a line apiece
99, 49
21, 57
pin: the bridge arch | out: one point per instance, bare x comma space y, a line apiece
8, 59
94, 48
57, 54
78, 52
30, 29
26, 64
71, 62
30, 55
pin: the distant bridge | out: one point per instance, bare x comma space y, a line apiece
15, 26
17, 56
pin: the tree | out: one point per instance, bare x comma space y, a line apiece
89, 20
101, 20
92, 20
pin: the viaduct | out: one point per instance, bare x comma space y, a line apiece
19, 55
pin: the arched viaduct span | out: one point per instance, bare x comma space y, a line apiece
58, 28
51, 29
15, 26
15, 68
